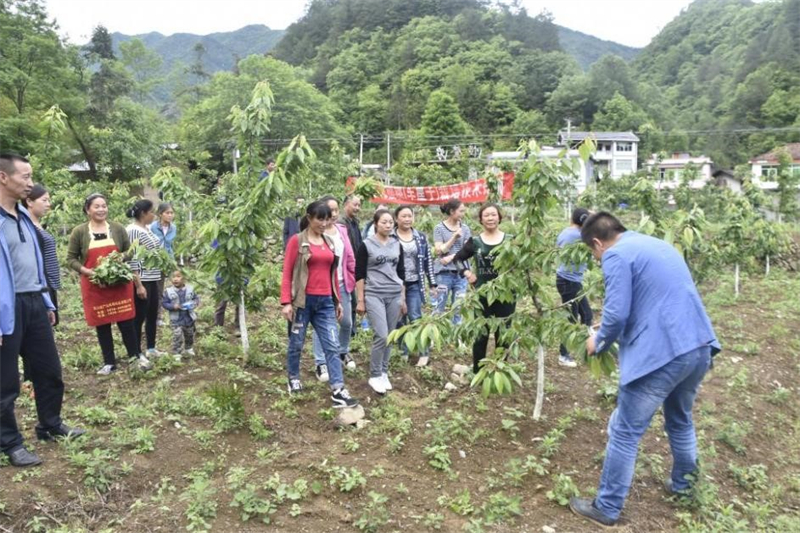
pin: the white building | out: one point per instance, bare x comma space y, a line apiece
670, 171
765, 166
616, 154
582, 172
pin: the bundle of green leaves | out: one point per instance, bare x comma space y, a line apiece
111, 270
155, 259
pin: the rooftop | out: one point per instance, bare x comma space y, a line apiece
578, 136
772, 156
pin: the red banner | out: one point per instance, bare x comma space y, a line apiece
469, 192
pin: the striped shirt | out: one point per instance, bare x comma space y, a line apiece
51, 270
442, 234
150, 242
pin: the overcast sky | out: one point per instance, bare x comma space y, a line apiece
631, 22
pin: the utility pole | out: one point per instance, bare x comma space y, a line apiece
235, 157
360, 152
388, 150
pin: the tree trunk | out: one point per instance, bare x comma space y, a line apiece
736, 280
537, 409
86, 154
243, 328
767, 272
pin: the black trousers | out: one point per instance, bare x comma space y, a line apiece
579, 309
128, 330
499, 310
147, 313
33, 338
219, 314
26, 370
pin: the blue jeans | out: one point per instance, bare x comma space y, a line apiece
345, 330
675, 386
320, 313
450, 283
414, 308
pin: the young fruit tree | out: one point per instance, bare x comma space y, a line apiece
526, 264
242, 225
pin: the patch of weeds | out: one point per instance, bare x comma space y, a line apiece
431, 376
733, 434
201, 503
739, 382
779, 396
551, 442
563, 489
350, 444
258, 428
266, 456
285, 404
378, 471
96, 415
228, 403
327, 414
511, 427
516, 470
346, 480
205, 438
86, 356
748, 348
144, 440
401, 489
501, 508
100, 467
396, 443
460, 504
251, 505
438, 456
751, 478
433, 521
374, 514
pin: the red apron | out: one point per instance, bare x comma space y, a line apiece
105, 305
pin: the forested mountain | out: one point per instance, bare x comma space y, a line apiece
221, 50
588, 49
424, 69
729, 65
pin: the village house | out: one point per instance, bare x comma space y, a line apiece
765, 166
670, 171
616, 154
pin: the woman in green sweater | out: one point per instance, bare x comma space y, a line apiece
89, 243
482, 247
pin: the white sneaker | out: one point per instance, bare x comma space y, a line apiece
177, 357
107, 370
161, 323
143, 362
565, 360
386, 383
190, 352
377, 385
423, 360
322, 373
152, 353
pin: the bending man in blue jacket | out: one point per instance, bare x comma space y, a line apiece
652, 308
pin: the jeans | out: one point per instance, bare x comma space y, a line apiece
675, 386
497, 309
320, 313
450, 283
33, 339
383, 311
569, 290
414, 308
147, 313
345, 330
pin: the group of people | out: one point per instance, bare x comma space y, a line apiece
331, 272
135, 305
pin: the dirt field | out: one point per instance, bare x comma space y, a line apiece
166, 452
